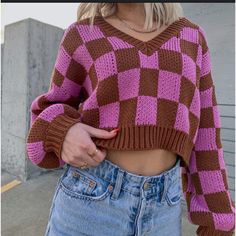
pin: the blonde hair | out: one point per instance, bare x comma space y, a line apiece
162, 13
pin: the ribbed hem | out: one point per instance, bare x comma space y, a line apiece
56, 133
206, 231
149, 137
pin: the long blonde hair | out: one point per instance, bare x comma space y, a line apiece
162, 13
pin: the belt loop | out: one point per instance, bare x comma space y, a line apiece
117, 187
166, 183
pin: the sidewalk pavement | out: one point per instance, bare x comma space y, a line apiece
25, 207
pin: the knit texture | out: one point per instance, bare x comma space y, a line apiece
159, 93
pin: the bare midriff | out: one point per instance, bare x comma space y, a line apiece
144, 162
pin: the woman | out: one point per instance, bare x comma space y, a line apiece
123, 113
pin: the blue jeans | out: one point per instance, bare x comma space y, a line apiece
106, 200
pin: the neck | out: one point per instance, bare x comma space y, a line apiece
133, 12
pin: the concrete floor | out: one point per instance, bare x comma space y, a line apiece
25, 207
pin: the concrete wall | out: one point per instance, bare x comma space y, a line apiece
30, 48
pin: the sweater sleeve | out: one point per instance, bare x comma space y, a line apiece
204, 180
55, 111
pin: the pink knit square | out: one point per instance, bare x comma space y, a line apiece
221, 158
168, 85
83, 57
189, 68
146, 110
206, 64
61, 93
189, 34
195, 104
106, 65
36, 151
216, 114
91, 102
62, 61
118, 43
87, 35
128, 83
192, 163
199, 57
211, 181
223, 221
198, 203
182, 118
204, 134
172, 44
88, 84
51, 112
109, 115
149, 61
206, 98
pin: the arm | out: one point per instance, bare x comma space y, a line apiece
204, 180
55, 111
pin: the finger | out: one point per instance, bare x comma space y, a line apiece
90, 160
96, 155
92, 151
86, 159
100, 133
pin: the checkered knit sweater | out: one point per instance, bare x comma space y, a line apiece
159, 93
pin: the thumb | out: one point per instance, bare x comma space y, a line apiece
100, 133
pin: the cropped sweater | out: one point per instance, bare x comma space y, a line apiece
159, 93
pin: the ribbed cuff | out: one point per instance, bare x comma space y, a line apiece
207, 231
56, 133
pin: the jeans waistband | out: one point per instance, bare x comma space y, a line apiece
129, 181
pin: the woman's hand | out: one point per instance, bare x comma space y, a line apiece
78, 143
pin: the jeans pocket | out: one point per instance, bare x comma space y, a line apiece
173, 193
79, 183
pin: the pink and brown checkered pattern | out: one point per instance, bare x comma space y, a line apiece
159, 93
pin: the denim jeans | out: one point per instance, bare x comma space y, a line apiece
107, 200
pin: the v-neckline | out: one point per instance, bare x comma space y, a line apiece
146, 47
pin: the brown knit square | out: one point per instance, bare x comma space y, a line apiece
193, 124
207, 118
109, 88
167, 111
198, 216
189, 48
91, 117
207, 160
72, 41
186, 85
121, 59
184, 181
93, 76
224, 175
148, 82
197, 183
206, 82
218, 202
218, 138
76, 72
128, 111
170, 61
214, 99
57, 78
98, 47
